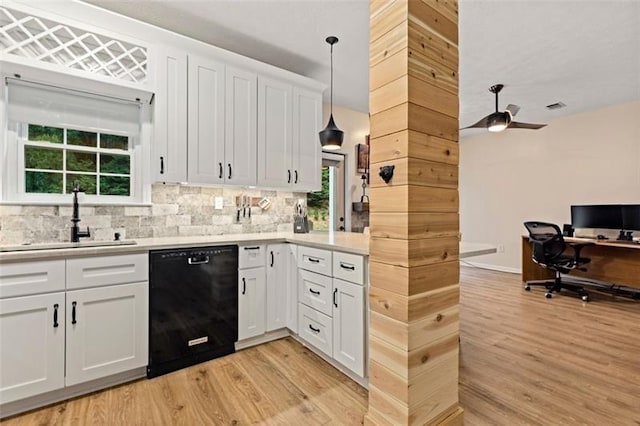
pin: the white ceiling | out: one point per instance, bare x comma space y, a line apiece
585, 53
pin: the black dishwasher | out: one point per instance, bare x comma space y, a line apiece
193, 306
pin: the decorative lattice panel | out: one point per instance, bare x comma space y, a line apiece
33, 37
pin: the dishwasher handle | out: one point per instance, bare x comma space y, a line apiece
198, 260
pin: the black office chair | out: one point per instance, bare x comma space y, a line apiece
549, 250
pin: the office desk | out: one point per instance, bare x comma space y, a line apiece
610, 262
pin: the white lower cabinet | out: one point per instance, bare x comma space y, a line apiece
348, 325
31, 345
276, 286
251, 303
316, 328
107, 331
331, 312
292, 288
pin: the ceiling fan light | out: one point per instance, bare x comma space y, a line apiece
498, 121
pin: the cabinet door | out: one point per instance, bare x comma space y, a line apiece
277, 275
241, 144
292, 287
251, 303
348, 325
206, 121
307, 152
169, 159
107, 331
275, 143
31, 345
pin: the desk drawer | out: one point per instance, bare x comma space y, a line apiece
315, 260
252, 256
348, 267
315, 291
107, 270
25, 278
315, 328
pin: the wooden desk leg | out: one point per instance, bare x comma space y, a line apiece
531, 271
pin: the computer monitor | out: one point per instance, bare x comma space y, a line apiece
603, 216
631, 217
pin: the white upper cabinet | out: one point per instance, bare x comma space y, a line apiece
289, 153
169, 148
307, 153
206, 112
241, 127
275, 144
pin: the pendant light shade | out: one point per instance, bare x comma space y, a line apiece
331, 137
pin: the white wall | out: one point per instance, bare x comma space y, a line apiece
355, 125
518, 175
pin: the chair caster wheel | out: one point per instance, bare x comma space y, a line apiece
548, 295
585, 297
527, 287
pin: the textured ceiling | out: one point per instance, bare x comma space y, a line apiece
585, 53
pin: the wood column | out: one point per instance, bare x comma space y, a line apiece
414, 294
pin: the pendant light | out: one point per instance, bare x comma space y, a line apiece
331, 137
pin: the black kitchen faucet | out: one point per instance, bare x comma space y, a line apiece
76, 233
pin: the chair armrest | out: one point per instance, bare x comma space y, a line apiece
577, 247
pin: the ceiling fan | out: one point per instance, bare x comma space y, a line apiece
498, 121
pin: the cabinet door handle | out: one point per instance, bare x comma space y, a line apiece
347, 266
314, 260
73, 312
161, 165
220, 175
295, 173
55, 315
244, 286
229, 170
312, 291
335, 292
315, 330
272, 258
288, 176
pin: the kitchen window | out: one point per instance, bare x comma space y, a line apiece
56, 137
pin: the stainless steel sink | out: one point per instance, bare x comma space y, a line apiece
67, 245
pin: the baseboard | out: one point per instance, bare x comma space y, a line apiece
37, 401
265, 338
498, 268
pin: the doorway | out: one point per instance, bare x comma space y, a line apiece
326, 207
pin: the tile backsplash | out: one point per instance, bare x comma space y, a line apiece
176, 210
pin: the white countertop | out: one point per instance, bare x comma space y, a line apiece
349, 242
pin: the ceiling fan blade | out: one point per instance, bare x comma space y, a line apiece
513, 109
483, 123
531, 126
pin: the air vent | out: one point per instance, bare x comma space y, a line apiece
557, 105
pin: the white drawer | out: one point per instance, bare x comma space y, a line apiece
348, 267
315, 328
107, 270
315, 291
251, 256
315, 260
24, 278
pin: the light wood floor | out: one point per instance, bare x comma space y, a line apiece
524, 360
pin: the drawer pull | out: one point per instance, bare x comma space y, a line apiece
55, 315
315, 330
73, 312
313, 260
317, 293
252, 248
347, 266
